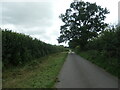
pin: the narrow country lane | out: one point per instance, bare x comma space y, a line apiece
80, 73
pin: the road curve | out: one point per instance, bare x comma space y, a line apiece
80, 73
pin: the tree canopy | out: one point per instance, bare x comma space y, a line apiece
82, 21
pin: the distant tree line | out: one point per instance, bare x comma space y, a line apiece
18, 48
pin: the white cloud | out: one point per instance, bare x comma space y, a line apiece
27, 13
40, 18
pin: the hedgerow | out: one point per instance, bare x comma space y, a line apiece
18, 48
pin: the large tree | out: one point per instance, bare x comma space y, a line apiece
82, 21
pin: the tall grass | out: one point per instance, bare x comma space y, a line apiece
35, 74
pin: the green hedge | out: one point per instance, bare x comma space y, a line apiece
18, 48
108, 43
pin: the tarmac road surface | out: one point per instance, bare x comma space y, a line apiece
80, 73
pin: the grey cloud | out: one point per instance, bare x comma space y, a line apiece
32, 18
35, 31
42, 37
27, 14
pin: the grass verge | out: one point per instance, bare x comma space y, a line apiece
40, 73
108, 64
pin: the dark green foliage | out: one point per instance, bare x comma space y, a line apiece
82, 21
18, 48
85, 30
108, 42
77, 49
109, 64
105, 50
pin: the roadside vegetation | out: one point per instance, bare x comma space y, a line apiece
18, 49
28, 62
104, 50
102, 61
39, 73
89, 36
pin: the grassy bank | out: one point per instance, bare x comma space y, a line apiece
109, 64
35, 74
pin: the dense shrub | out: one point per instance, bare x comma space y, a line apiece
107, 46
18, 48
108, 43
77, 49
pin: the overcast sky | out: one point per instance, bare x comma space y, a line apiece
40, 18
